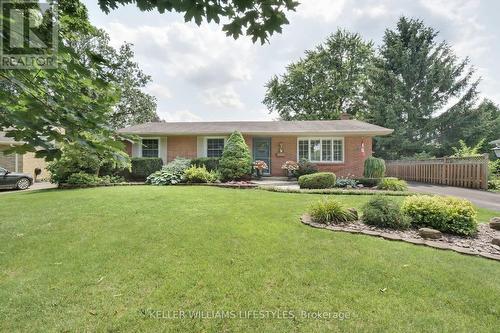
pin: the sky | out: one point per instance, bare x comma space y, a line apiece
200, 74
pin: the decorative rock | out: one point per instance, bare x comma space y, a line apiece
495, 223
429, 233
495, 241
361, 185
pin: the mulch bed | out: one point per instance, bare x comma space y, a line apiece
480, 245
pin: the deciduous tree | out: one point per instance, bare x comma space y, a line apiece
256, 18
328, 81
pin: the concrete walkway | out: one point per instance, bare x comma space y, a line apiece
34, 187
479, 198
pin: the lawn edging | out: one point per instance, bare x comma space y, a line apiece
223, 185
307, 220
337, 191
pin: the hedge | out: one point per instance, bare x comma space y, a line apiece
318, 180
142, 167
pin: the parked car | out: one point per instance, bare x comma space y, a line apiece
14, 180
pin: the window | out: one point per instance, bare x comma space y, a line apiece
326, 150
338, 150
315, 147
150, 147
303, 149
321, 149
215, 147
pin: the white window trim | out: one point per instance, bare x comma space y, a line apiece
321, 150
151, 138
205, 143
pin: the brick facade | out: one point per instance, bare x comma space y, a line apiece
354, 159
182, 146
187, 146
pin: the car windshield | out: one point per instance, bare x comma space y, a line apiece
2, 170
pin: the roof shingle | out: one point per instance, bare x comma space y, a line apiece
343, 127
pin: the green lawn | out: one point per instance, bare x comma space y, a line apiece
104, 259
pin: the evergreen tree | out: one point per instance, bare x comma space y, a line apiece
236, 162
470, 124
414, 77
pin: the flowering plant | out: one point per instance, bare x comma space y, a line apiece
260, 165
290, 166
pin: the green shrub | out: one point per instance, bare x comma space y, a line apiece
374, 167
368, 182
343, 182
210, 163
446, 214
109, 179
383, 212
331, 211
392, 184
494, 167
142, 167
196, 174
317, 180
305, 168
494, 184
76, 158
236, 162
82, 178
170, 174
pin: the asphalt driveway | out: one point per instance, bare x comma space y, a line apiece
479, 198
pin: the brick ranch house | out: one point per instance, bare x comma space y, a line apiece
339, 146
26, 163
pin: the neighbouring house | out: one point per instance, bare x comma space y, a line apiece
25, 163
339, 146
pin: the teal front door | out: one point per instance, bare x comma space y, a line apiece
262, 152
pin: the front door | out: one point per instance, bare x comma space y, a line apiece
262, 152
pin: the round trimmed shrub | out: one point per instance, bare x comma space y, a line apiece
331, 211
318, 180
392, 184
446, 214
236, 162
374, 167
383, 212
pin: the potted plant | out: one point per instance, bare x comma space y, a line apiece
259, 167
290, 167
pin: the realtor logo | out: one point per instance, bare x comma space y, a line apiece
29, 34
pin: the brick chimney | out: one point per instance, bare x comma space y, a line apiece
345, 116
